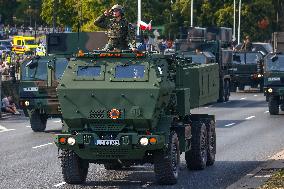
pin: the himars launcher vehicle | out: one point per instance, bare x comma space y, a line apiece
217, 41
274, 82
123, 108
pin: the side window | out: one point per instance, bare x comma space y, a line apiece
19, 42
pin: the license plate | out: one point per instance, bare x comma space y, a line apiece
108, 142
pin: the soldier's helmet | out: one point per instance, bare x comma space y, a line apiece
118, 7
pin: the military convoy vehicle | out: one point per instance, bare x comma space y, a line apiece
40, 74
247, 70
37, 89
123, 108
274, 82
216, 41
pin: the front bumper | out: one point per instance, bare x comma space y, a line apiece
86, 148
246, 79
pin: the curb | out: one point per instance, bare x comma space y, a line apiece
261, 174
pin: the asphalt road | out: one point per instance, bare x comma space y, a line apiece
246, 136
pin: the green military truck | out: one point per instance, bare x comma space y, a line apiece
216, 41
37, 89
274, 82
247, 70
134, 108
40, 75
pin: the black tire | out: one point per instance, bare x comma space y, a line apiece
74, 169
282, 107
196, 158
227, 91
166, 165
37, 121
211, 150
273, 106
113, 166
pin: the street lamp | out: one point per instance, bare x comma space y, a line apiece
191, 13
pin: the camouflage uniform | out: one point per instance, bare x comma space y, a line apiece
120, 33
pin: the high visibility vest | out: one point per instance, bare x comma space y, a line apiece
8, 60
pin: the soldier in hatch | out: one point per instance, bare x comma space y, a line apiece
120, 31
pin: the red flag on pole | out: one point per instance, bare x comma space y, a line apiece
144, 26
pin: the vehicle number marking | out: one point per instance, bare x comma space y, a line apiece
31, 89
107, 142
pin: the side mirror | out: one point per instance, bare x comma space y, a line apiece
274, 58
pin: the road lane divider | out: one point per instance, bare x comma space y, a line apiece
230, 124
250, 117
35, 147
60, 184
266, 112
243, 98
4, 129
255, 95
28, 126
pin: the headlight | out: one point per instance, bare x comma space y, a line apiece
270, 90
144, 141
27, 103
259, 75
71, 141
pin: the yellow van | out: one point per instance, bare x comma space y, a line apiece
23, 44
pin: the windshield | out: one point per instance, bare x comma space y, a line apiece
275, 64
200, 59
89, 71
38, 72
246, 58
61, 64
129, 71
30, 42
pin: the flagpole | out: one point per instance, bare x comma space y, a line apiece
234, 27
239, 26
138, 17
191, 13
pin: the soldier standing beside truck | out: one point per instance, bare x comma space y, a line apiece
119, 31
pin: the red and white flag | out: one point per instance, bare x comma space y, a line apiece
144, 26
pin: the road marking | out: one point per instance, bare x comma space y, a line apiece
266, 112
59, 121
42, 145
250, 117
230, 124
4, 129
206, 107
28, 126
60, 184
244, 98
255, 95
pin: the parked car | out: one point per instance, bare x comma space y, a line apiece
4, 49
6, 43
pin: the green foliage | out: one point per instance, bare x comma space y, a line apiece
170, 13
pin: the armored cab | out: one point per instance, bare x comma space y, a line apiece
123, 108
247, 70
214, 40
274, 82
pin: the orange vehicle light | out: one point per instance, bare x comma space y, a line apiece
153, 140
62, 140
114, 114
80, 53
